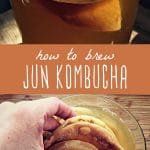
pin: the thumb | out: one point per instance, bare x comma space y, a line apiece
45, 109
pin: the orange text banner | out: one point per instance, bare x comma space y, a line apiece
95, 69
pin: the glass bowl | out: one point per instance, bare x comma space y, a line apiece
112, 114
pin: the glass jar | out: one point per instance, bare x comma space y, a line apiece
101, 21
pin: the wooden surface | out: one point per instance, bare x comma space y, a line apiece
139, 106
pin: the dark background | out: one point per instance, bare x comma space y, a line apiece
4, 5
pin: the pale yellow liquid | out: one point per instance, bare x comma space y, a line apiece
119, 128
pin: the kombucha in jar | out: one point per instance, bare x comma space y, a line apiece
75, 21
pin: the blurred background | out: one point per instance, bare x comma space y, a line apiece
9, 32
4, 5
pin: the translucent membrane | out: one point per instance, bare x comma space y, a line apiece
121, 122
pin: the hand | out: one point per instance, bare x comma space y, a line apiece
22, 124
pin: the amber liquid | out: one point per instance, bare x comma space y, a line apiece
44, 21
119, 127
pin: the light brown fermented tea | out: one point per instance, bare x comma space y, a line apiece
93, 128
75, 21
116, 124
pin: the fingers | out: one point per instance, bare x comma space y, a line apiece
55, 107
64, 111
30, 118
50, 107
50, 124
61, 109
43, 110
